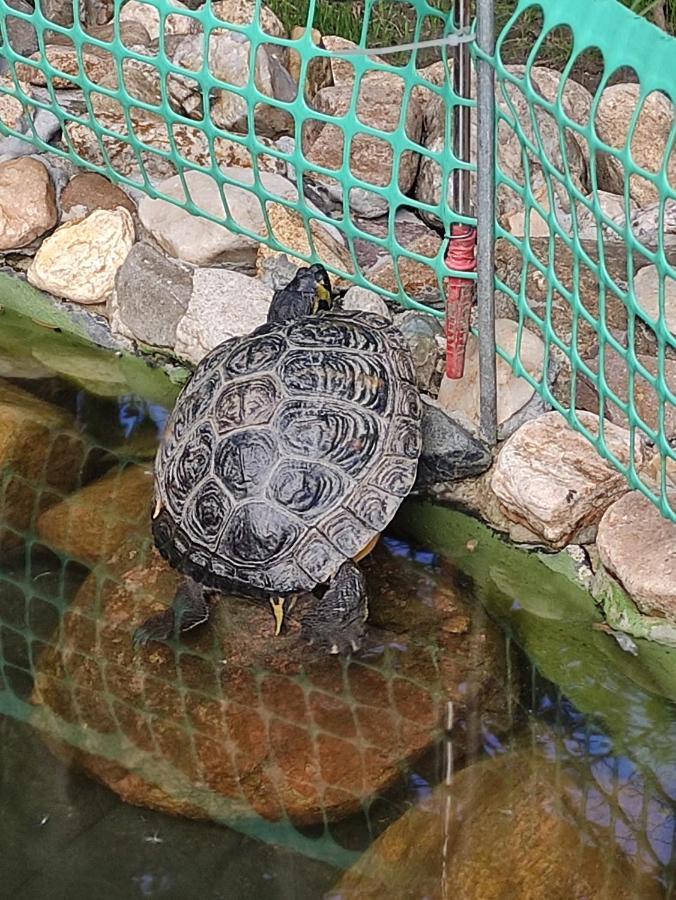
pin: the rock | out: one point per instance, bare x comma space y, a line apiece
200, 241
407, 230
22, 36
419, 280
342, 70
645, 397
513, 391
90, 191
276, 271
80, 260
288, 227
646, 291
577, 104
449, 452
97, 63
13, 113
59, 11
93, 523
506, 827
148, 16
362, 299
654, 226
425, 336
318, 73
649, 143
612, 206
248, 724
40, 459
97, 12
647, 570
151, 296
223, 305
229, 53
27, 202
551, 479
243, 12
85, 366
379, 105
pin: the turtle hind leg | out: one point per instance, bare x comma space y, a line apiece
336, 622
189, 609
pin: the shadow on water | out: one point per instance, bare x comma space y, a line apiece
490, 743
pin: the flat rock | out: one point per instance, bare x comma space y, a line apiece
646, 290
151, 296
360, 298
80, 260
40, 459
223, 305
552, 480
203, 242
287, 226
463, 395
89, 191
649, 142
646, 569
508, 827
449, 452
27, 202
242, 722
93, 523
371, 158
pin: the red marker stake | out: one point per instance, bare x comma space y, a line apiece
461, 257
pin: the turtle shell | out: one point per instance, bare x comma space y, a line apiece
287, 452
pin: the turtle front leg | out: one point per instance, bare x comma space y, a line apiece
336, 622
189, 609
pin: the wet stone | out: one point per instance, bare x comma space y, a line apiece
238, 721
551, 479
92, 523
647, 570
501, 830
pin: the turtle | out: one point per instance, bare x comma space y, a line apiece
287, 454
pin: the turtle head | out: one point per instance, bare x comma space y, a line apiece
309, 292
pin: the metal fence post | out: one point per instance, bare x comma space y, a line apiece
485, 214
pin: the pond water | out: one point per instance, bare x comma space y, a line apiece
491, 742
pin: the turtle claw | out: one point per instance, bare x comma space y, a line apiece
344, 643
159, 627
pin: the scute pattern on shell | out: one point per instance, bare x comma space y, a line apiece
287, 452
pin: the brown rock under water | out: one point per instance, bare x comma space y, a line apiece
504, 830
237, 722
92, 524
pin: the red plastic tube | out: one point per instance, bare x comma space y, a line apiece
461, 257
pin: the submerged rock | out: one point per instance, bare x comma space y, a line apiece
40, 460
637, 544
240, 723
80, 260
27, 202
552, 480
91, 524
222, 305
509, 827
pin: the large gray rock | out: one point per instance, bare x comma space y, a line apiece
449, 451
552, 480
223, 305
200, 241
151, 296
638, 545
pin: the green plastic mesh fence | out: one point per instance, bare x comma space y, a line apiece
586, 194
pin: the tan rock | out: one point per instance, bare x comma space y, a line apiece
342, 69
551, 479
318, 72
12, 109
89, 191
638, 545
27, 202
288, 227
93, 523
40, 459
508, 827
243, 12
147, 15
371, 158
513, 391
648, 145
419, 279
80, 260
251, 724
647, 292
